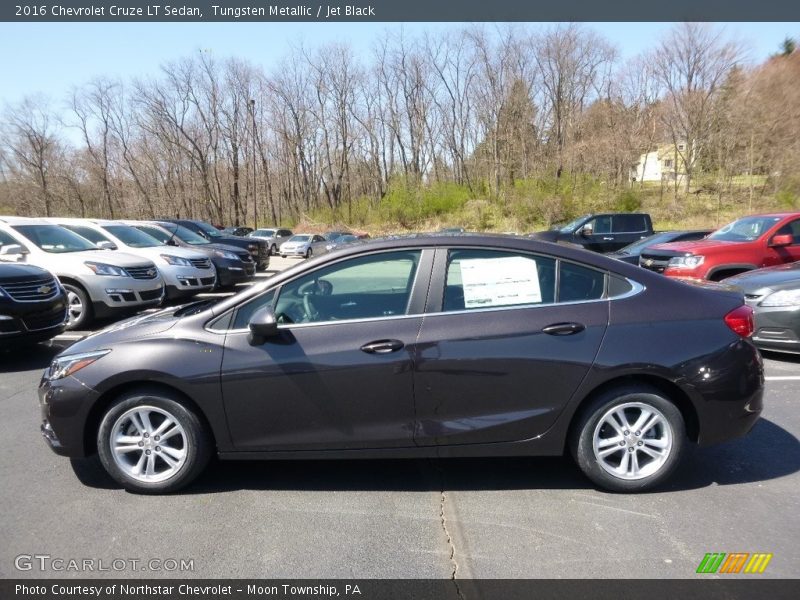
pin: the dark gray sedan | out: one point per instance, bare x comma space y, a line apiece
417, 347
774, 295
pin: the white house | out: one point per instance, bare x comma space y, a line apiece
659, 164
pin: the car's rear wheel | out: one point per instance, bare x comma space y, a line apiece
630, 439
152, 443
79, 307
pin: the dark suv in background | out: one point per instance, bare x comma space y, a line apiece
258, 249
33, 305
605, 232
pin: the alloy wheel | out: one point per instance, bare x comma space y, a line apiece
632, 441
148, 444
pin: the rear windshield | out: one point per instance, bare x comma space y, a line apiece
55, 239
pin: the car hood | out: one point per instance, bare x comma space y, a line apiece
685, 248
138, 327
65, 263
21, 272
780, 277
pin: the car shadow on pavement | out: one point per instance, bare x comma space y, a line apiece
784, 357
30, 357
768, 452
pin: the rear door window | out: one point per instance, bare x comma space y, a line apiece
629, 224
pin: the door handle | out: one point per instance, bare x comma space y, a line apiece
382, 346
564, 328
608, 239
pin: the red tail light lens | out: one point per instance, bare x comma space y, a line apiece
740, 320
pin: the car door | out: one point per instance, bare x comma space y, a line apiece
339, 374
778, 255
509, 338
625, 229
601, 236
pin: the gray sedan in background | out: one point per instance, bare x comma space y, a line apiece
304, 244
774, 295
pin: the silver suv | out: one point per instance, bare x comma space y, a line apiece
272, 235
99, 283
185, 272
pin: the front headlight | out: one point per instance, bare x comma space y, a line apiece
686, 262
225, 254
252, 247
176, 260
69, 364
106, 270
329, 246
782, 298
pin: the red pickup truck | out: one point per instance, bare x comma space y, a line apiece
746, 244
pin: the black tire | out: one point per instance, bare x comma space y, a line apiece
273, 250
309, 253
76, 292
583, 431
196, 441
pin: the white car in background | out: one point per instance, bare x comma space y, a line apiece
100, 284
185, 272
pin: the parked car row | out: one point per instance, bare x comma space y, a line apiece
756, 255
65, 273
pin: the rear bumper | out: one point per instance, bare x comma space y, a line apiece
731, 405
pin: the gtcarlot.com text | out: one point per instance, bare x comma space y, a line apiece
46, 562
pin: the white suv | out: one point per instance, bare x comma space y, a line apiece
185, 272
99, 283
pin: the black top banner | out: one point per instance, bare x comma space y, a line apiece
400, 10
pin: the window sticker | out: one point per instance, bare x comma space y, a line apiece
500, 281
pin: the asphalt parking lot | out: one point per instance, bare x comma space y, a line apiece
486, 518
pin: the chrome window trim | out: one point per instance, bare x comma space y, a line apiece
637, 288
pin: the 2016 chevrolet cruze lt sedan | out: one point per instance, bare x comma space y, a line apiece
423, 346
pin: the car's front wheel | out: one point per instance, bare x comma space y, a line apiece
309, 253
630, 439
79, 307
273, 250
151, 443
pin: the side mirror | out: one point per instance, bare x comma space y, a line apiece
106, 245
784, 239
172, 242
262, 325
12, 249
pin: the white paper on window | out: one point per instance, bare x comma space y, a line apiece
500, 281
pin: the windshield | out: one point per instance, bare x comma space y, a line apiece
186, 235
347, 238
263, 233
635, 247
209, 229
156, 232
569, 227
744, 230
300, 238
333, 235
130, 236
55, 239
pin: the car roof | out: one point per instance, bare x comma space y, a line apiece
12, 220
80, 221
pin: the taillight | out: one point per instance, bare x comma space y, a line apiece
740, 320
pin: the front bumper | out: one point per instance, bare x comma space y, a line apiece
294, 251
230, 272
32, 322
777, 328
65, 406
187, 281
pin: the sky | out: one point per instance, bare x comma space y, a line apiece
51, 58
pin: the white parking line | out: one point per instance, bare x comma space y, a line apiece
783, 378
